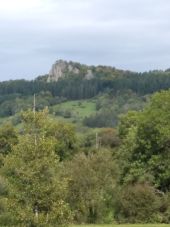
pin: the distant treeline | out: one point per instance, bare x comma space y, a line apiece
17, 95
76, 87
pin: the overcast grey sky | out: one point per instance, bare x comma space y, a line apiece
128, 34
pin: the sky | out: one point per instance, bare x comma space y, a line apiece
126, 34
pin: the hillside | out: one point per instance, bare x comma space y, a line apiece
92, 96
64, 69
99, 153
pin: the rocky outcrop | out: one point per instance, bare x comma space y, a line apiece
58, 69
66, 69
89, 74
61, 68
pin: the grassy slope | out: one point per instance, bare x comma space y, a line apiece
78, 109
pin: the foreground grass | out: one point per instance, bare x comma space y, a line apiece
124, 225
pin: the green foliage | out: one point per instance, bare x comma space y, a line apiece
63, 134
138, 204
75, 110
17, 95
49, 173
65, 139
36, 191
128, 121
122, 225
99, 120
108, 138
111, 106
8, 138
92, 181
146, 143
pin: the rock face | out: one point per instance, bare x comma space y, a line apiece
62, 68
57, 70
89, 74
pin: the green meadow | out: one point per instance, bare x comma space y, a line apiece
78, 109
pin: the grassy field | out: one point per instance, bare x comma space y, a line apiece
127, 225
78, 110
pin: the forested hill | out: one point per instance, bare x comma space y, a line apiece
73, 81
104, 135
77, 85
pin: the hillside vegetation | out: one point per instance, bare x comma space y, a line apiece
123, 90
127, 225
91, 151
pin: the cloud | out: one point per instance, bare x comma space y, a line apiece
124, 33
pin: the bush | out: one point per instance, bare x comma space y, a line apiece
101, 119
138, 204
67, 114
109, 138
92, 181
165, 208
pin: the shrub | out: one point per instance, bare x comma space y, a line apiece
138, 204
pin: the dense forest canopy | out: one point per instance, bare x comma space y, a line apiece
75, 87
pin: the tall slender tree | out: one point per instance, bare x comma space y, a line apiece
36, 191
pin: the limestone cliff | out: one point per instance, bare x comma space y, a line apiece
62, 68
